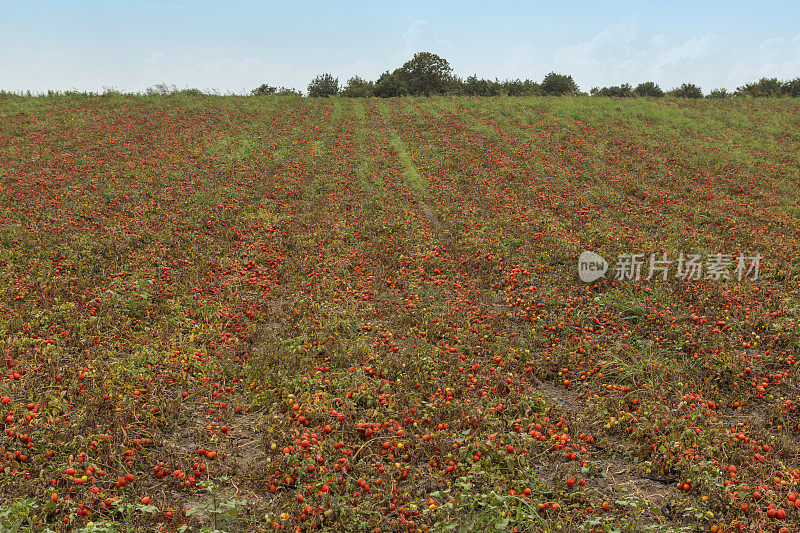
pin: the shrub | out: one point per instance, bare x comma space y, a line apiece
474, 86
765, 87
323, 86
263, 90
521, 88
648, 88
687, 90
719, 93
160, 89
110, 92
287, 91
358, 87
791, 88
559, 85
618, 91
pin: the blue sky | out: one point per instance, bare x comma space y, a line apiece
234, 46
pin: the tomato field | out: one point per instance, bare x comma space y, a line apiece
296, 314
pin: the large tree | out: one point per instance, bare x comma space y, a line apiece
425, 73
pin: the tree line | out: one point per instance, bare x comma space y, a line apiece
428, 74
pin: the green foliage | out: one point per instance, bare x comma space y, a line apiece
323, 86
559, 85
263, 90
16, 515
619, 91
629, 306
269, 90
473, 86
389, 85
521, 88
486, 510
649, 88
765, 87
791, 88
162, 89
222, 510
719, 93
687, 90
425, 74
358, 87
10, 233
287, 91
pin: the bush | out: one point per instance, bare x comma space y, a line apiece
791, 88
687, 90
474, 86
521, 88
648, 88
358, 87
389, 85
263, 90
765, 87
719, 93
323, 86
618, 91
160, 89
559, 85
287, 91
425, 73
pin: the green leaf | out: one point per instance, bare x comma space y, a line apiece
150, 509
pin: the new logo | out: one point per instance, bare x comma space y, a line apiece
591, 266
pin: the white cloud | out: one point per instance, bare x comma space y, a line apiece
420, 37
155, 59
659, 41
776, 58
605, 50
620, 54
364, 67
688, 53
